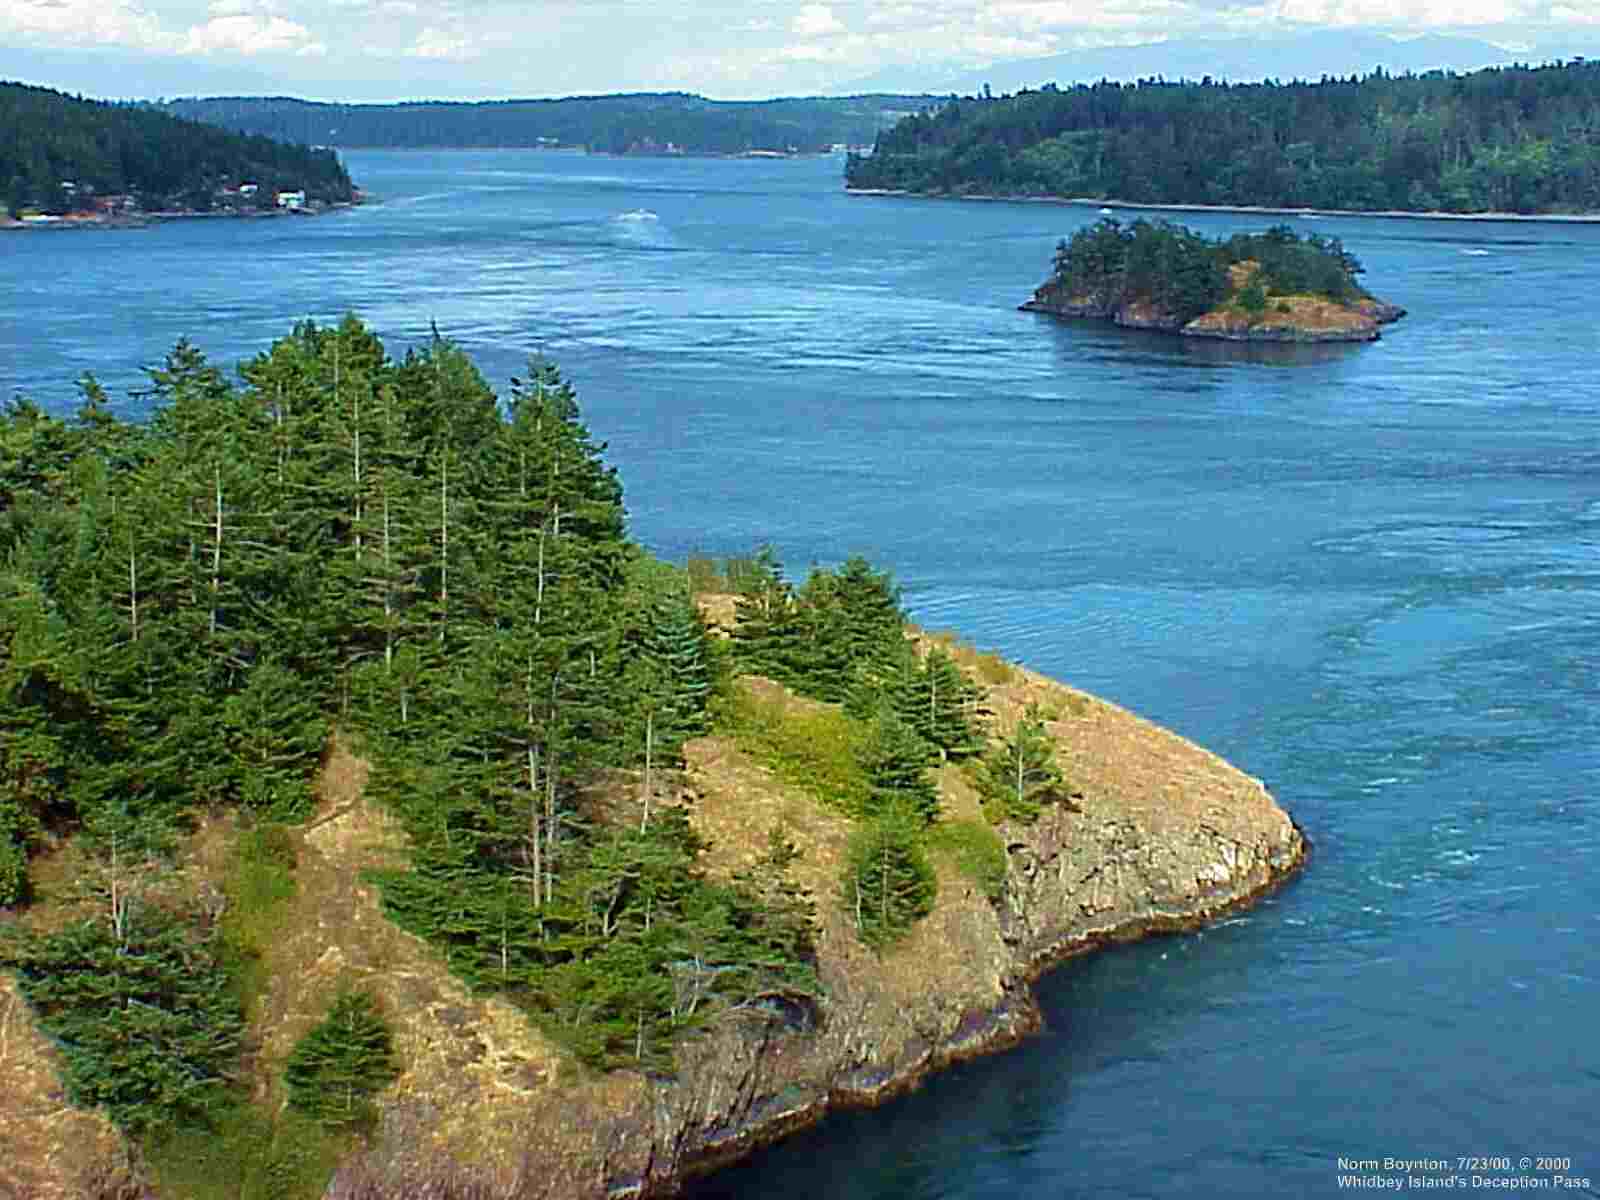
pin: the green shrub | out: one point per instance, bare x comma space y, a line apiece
245, 1154
976, 850
260, 880
338, 1067
13, 857
818, 749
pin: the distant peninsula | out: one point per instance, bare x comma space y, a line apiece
1502, 140
1274, 286
666, 124
67, 162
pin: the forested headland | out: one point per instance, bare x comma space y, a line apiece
343, 554
62, 154
1517, 140
642, 123
1269, 286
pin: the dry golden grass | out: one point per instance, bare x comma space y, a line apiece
1304, 314
719, 610
471, 1060
48, 1149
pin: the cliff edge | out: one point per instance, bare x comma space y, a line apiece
1276, 317
1159, 835
1273, 286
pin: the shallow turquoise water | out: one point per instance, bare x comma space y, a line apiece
1368, 575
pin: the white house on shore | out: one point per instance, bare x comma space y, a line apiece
291, 199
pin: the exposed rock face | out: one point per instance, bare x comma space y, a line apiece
1301, 319
1162, 835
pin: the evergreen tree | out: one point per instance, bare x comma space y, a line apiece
767, 630
666, 679
1020, 775
186, 610
145, 1023
944, 704
339, 1065
781, 925
896, 762
889, 884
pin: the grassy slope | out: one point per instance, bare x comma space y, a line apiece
483, 1094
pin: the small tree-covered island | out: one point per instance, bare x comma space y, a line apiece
1274, 286
378, 820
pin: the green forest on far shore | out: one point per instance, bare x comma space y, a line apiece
1519, 139
58, 153
637, 123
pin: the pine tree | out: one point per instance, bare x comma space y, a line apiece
336, 1068
781, 923
942, 704
767, 631
889, 884
145, 1021
666, 680
1020, 775
896, 762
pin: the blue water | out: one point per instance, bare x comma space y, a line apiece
1368, 575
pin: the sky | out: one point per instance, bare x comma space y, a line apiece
377, 50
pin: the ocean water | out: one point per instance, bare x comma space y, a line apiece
1368, 575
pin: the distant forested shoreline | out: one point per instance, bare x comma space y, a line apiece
1518, 140
644, 123
61, 153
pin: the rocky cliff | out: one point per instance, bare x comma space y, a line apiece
1159, 835
1282, 318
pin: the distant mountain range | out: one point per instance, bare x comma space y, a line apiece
1307, 56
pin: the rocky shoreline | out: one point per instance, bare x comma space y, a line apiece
1009, 1023
1160, 837
1306, 322
144, 220
1586, 218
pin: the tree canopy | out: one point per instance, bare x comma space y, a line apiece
189, 607
1184, 274
58, 152
637, 123
1517, 139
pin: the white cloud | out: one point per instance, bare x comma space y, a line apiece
442, 44
234, 8
1413, 14
815, 20
249, 34
83, 23
721, 47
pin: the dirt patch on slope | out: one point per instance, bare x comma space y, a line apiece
48, 1149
